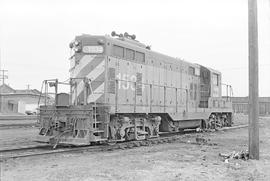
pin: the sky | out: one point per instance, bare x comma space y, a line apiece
34, 35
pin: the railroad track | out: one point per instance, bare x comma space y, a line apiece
47, 149
17, 126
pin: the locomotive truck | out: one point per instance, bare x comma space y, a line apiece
120, 90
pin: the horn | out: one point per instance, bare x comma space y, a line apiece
126, 34
113, 33
133, 37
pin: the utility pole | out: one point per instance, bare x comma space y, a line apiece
3, 76
253, 117
28, 86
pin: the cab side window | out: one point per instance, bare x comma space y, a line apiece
191, 70
140, 57
118, 51
215, 79
130, 54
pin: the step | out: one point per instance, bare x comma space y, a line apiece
97, 116
98, 131
97, 122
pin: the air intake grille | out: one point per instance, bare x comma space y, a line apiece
111, 80
139, 84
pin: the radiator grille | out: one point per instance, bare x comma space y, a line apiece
111, 80
139, 84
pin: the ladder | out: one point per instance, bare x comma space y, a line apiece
97, 118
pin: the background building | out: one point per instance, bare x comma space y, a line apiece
19, 101
240, 105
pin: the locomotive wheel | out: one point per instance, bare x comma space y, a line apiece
219, 122
212, 123
203, 124
128, 134
226, 121
149, 133
230, 119
181, 130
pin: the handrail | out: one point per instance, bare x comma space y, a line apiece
95, 103
178, 91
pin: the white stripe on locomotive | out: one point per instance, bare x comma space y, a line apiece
96, 94
85, 60
100, 68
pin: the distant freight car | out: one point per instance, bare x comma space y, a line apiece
121, 90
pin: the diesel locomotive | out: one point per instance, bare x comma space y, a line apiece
120, 90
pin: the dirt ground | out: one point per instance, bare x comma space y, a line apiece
26, 135
17, 122
11, 138
167, 161
14, 133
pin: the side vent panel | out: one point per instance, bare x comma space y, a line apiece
139, 84
111, 80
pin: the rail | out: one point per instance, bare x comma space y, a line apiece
165, 137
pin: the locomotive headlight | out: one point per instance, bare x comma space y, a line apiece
77, 49
101, 42
76, 43
71, 45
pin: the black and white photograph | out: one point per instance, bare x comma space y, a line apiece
124, 90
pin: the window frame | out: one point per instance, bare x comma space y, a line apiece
114, 52
215, 80
191, 70
136, 59
131, 50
